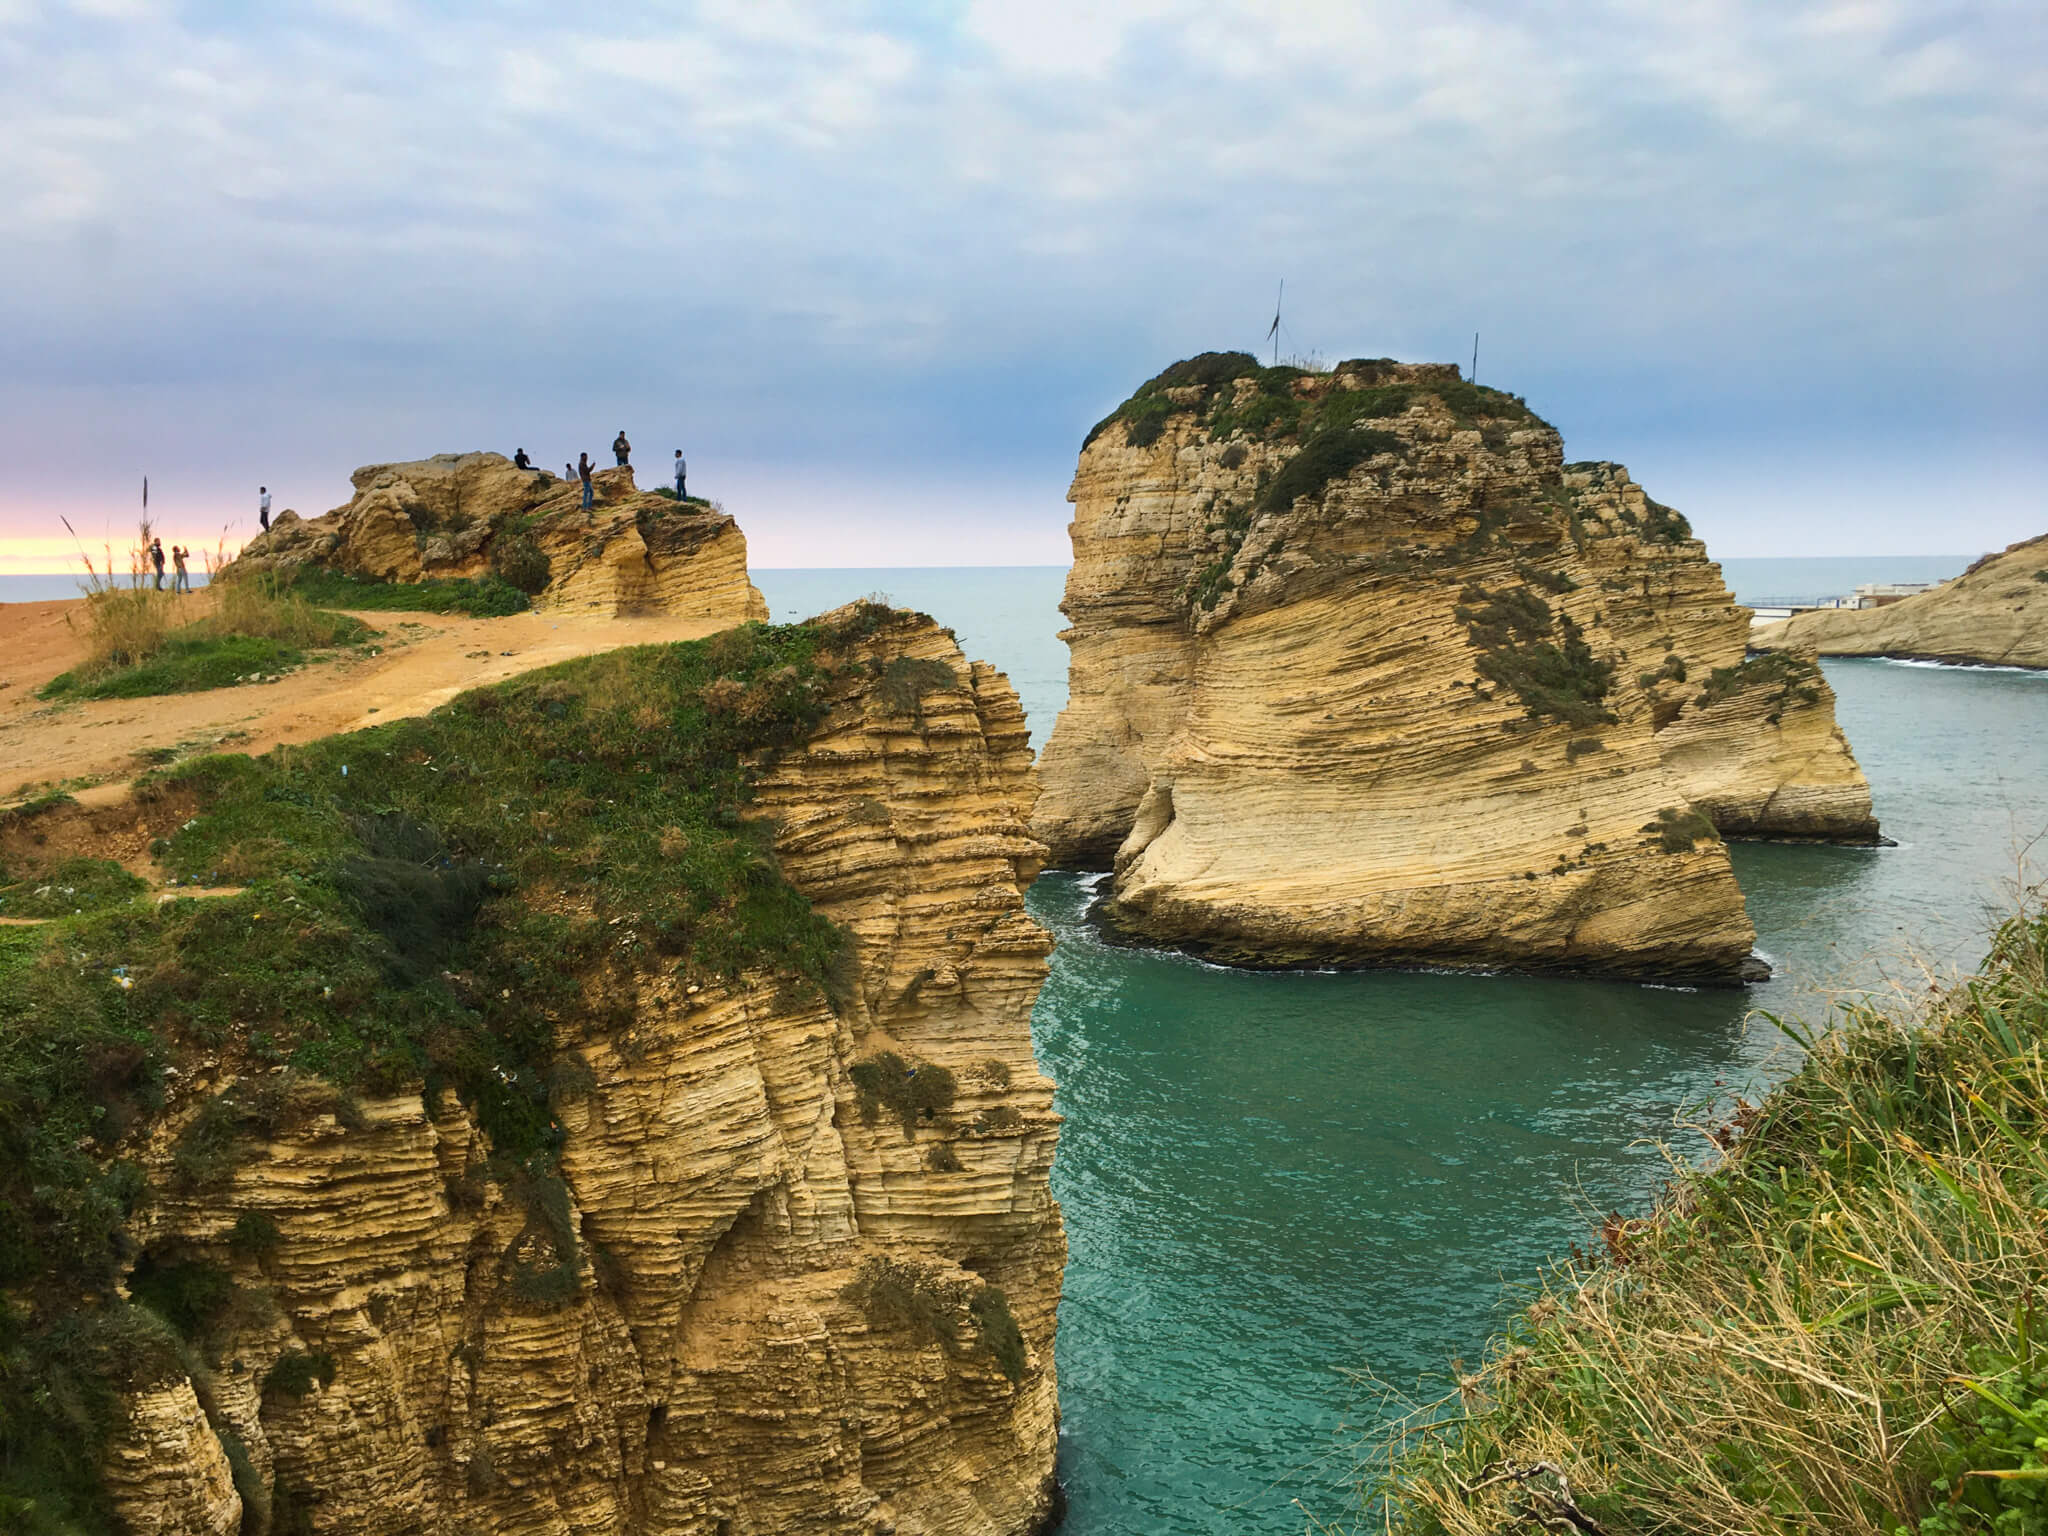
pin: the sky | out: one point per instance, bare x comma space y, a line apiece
877, 268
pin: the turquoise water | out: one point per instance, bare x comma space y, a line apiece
1279, 1186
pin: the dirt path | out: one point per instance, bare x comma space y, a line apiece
427, 659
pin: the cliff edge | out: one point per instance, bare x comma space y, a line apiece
472, 514
605, 1103
1995, 614
1363, 671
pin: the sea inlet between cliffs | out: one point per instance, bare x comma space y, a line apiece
1282, 1190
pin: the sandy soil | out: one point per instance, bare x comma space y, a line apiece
427, 659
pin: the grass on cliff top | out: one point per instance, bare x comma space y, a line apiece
1274, 411
425, 900
1842, 1327
481, 597
138, 648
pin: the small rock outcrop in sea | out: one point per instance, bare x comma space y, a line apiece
1363, 671
1995, 614
469, 514
503, 1160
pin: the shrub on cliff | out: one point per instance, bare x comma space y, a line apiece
520, 563
1557, 678
1838, 1328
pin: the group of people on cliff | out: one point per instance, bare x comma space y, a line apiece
583, 469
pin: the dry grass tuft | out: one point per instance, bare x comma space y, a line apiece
1839, 1328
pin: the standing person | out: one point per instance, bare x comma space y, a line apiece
263, 508
621, 449
583, 474
568, 471
182, 582
682, 468
156, 558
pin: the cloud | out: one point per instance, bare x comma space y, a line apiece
886, 236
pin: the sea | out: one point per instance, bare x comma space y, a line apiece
1295, 1201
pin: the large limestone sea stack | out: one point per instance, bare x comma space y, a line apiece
1364, 672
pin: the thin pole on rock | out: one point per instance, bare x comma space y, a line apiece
1475, 357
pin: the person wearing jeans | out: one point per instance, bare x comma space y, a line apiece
681, 469
583, 474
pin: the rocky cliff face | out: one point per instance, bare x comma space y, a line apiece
782, 1261
471, 513
1362, 670
1994, 614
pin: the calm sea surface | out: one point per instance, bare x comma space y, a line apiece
1279, 1186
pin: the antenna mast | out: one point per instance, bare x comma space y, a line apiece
1474, 379
1273, 331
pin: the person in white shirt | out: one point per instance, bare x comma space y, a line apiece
263, 508
681, 469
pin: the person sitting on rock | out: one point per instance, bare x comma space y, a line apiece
682, 468
583, 468
521, 461
621, 449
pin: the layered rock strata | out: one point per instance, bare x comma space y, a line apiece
1363, 671
460, 514
712, 1368
1995, 614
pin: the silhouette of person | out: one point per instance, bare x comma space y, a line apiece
156, 558
263, 508
521, 461
682, 468
621, 449
583, 467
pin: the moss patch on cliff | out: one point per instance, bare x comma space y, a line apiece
424, 902
1537, 653
1789, 679
1838, 1328
904, 1294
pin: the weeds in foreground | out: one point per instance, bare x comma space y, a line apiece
1843, 1327
137, 650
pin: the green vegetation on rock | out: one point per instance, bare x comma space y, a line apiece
1538, 654
901, 1293
910, 1091
257, 629
481, 597
73, 885
1794, 677
1839, 1327
424, 901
